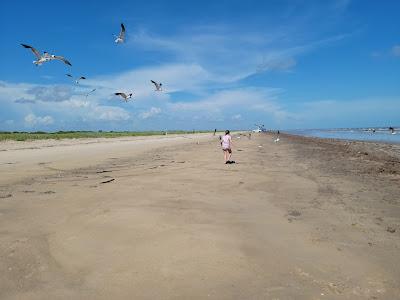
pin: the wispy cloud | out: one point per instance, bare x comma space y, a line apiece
24, 101
227, 102
229, 55
350, 113
396, 50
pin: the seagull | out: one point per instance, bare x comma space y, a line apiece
45, 57
87, 94
124, 96
157, 85
276, 140
77, 79
121, 37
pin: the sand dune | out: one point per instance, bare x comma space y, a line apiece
298, 219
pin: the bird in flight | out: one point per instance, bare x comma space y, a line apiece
45, 57
158, 85
124, 96
87, 94
76, 79
121, 37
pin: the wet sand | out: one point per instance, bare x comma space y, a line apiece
164, 218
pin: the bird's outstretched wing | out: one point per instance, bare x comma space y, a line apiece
62, 59
122, 32
69, 75
82, 77
123, 95
35, 52
157, 85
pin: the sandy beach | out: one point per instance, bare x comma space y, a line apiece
162, 217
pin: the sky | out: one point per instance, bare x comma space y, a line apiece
223, 64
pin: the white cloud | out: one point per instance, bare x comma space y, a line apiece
244, 98
237, 117
174, 77
150, 113
32, 120
108, 113
234, 101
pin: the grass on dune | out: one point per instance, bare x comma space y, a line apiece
24, 136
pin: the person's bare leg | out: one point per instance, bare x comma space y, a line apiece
229, 155
225, 156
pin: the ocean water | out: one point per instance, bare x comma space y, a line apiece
358, 134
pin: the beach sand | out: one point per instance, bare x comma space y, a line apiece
303, 218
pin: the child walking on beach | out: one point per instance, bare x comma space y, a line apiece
226, 143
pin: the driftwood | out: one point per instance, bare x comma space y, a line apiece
107, 181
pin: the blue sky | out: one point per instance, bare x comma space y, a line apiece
223, 64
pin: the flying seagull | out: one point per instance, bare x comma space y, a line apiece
87, 94
45, 57
121, 37
157, 85
77, 79
124, 96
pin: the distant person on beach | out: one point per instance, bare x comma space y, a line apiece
215, 131
226, 143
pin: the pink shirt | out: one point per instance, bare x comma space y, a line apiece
226, 141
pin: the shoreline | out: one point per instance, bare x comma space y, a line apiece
344, 139
377, 152
164, 218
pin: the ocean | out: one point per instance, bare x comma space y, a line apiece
378, 134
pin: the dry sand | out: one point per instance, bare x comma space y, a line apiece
299, 219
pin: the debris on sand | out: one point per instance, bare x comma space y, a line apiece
391, 229
294, 213
5, 196
49, 192
103, 171
107, 181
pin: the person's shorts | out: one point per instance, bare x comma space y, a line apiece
227, 149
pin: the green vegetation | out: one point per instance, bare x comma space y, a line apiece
39, 135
